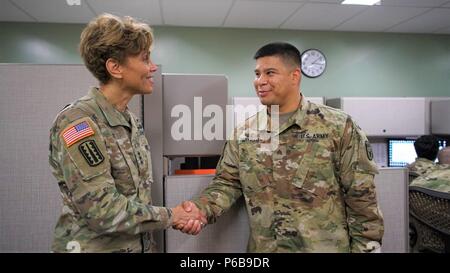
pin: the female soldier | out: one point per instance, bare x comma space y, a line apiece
98, 151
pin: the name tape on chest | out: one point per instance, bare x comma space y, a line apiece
310, 135
264, 137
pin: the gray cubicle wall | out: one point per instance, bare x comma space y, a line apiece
440, 113
31, 96
392, 195
228, 235
180, 90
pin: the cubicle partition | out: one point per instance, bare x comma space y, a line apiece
440, 117
392, 195
228, 235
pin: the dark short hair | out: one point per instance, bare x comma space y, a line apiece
289, 53
427, 147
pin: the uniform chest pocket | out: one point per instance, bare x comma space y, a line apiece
255, 167
143, 157
123, 170
126, 153
319, 180
315, 176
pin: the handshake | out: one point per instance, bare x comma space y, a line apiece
188, 218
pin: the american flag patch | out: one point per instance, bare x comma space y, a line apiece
77, 132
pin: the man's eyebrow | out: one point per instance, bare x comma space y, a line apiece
267, 69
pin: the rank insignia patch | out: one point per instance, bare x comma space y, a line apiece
91, 153
75, 133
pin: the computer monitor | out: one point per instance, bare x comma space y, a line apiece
401, 152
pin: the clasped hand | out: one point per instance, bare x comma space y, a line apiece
188, 218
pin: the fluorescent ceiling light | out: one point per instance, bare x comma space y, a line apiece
73, 2
361, 2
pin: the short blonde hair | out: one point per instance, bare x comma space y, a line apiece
108, 36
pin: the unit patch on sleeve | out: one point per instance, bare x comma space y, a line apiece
369, 150
91, 153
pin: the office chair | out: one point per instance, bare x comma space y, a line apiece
430, 218
412, 176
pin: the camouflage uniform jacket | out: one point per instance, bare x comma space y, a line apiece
105, 179
437, 180
314, 193
421, 166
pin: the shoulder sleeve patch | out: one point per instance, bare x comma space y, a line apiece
91, 152
369, 151
87, 151
77, 131
365, 154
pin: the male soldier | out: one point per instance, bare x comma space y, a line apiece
427, 148
98, 151
314, 191
437, 180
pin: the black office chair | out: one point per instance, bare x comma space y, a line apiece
430, 219
412, 176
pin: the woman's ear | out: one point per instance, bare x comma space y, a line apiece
114, 68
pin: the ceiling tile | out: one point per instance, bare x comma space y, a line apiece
10, 13
208, 13
379, 18
56, 11
260, 15
321, 16
147, 10
409, 16
413, 3
429, 22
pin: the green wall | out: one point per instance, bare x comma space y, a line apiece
359, 64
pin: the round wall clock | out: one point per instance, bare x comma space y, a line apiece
313, 63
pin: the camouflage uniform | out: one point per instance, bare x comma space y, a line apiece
421, 166
437, 180
105, 181
314, 193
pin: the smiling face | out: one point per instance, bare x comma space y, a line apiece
137, 73
277, 83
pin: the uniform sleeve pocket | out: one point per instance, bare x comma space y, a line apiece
88, 158
88, 154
